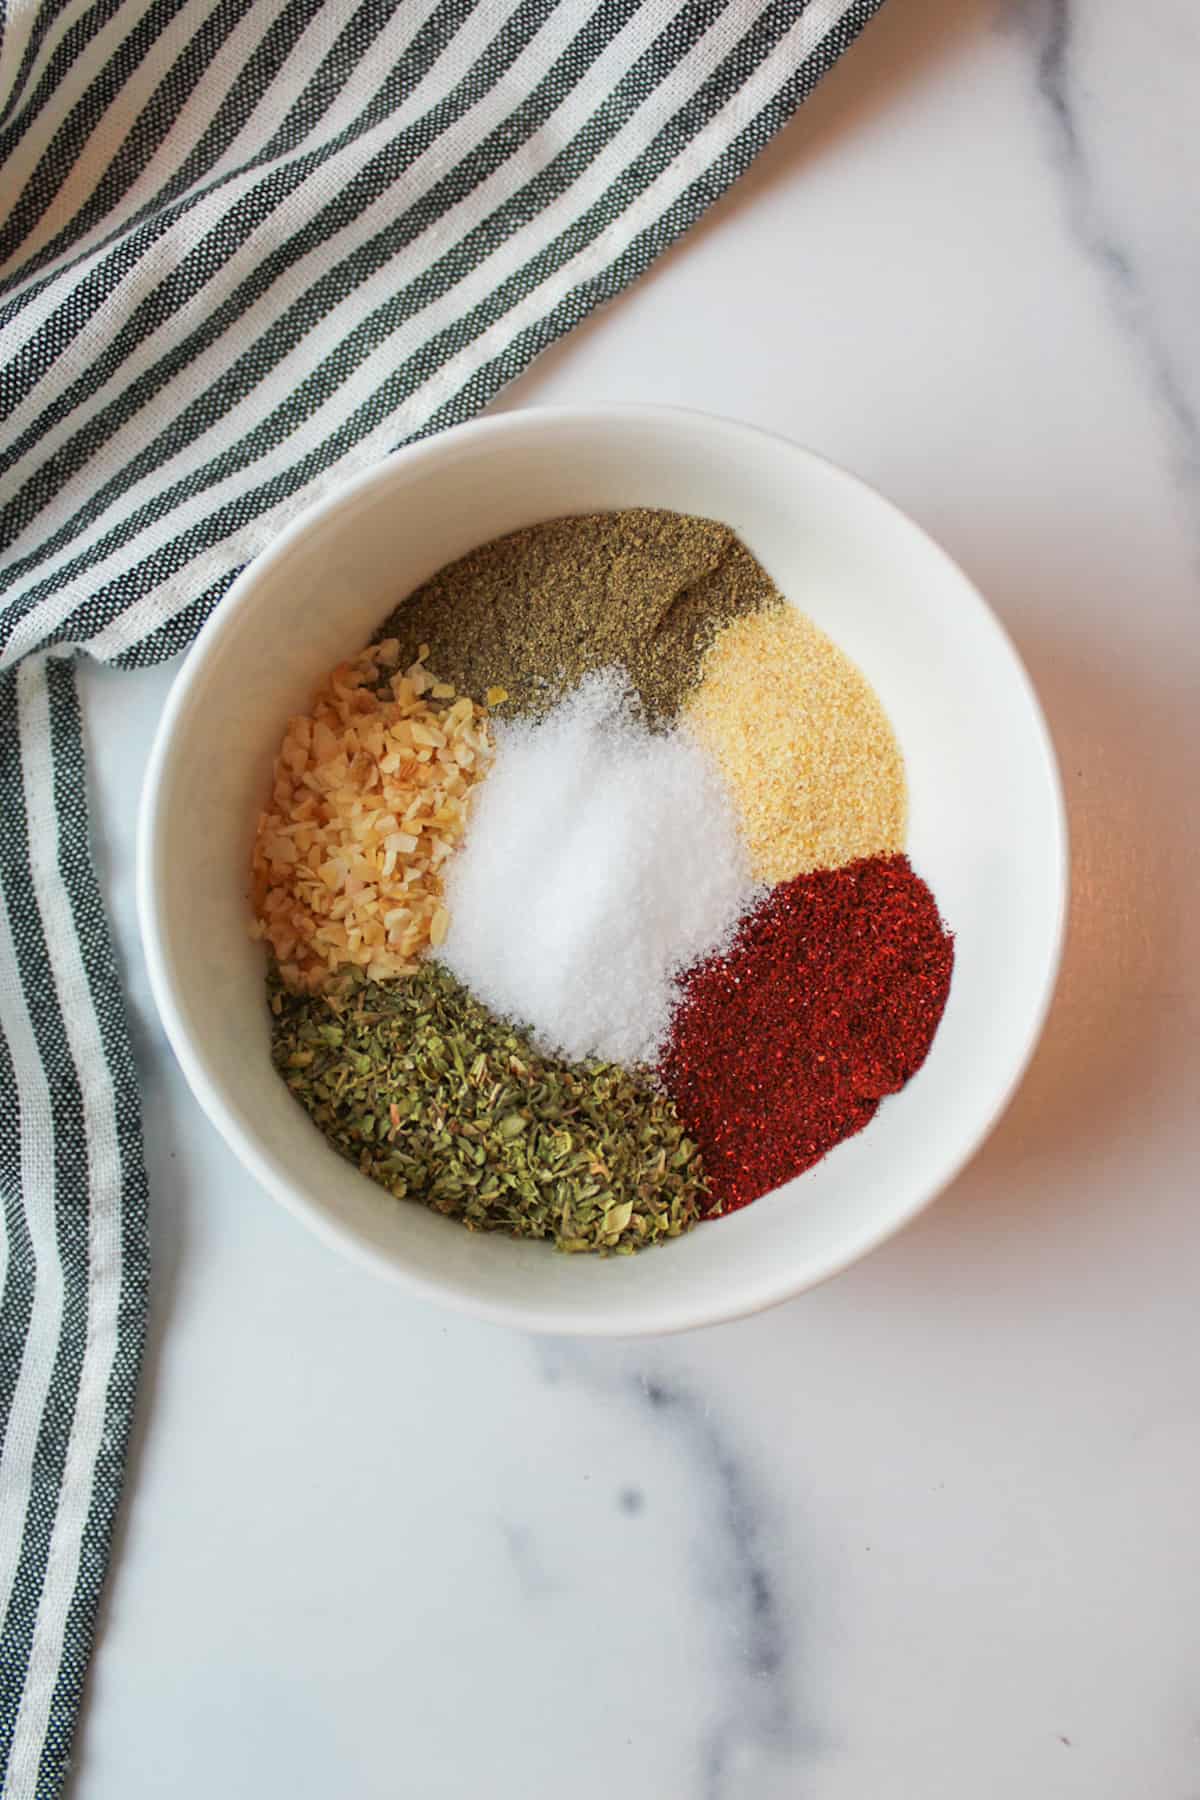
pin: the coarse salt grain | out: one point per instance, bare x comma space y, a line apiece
369, 797
601, 860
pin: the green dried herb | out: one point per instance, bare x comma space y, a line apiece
432, 1096
535, 611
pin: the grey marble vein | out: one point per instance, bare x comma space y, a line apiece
533, 1578
752, 1630
753, 1634
1052, 25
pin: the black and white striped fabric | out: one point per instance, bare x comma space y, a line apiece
246, 248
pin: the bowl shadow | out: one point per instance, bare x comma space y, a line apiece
1106, 1063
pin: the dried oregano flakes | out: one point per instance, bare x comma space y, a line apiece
438, 1100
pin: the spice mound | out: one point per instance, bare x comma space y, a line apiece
804, 744
541, 608
620, 862
368, 799
827, 1001
432, 1096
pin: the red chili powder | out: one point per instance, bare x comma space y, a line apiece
827, 1000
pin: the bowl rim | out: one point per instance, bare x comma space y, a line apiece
664, 1314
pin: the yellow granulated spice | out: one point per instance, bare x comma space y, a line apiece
803, 743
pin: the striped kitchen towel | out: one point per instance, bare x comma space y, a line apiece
246, 248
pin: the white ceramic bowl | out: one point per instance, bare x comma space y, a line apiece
987, 832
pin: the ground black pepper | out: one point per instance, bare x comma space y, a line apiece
535, 611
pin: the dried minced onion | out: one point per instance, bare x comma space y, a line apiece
369, 798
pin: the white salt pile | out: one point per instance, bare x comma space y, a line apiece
600, 860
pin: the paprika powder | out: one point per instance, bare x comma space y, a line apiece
827, 1000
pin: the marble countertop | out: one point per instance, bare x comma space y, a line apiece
930, 1530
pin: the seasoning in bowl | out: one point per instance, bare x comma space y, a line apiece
606, 929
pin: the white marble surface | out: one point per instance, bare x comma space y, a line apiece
929, 1531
